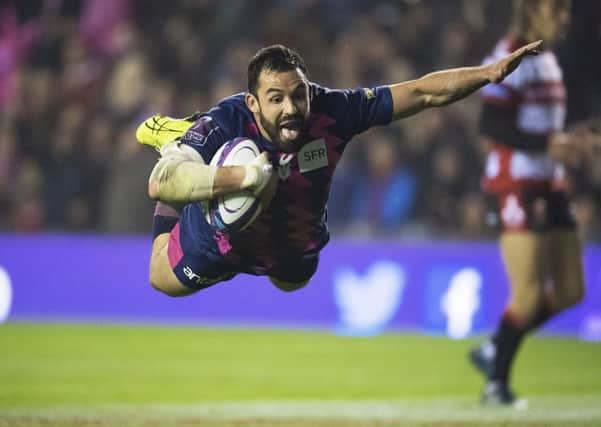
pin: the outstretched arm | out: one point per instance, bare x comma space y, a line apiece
445, 87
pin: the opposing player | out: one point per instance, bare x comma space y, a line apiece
302, 129
522, 121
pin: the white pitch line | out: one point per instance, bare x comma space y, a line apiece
541, 409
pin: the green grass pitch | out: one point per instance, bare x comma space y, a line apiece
116, 376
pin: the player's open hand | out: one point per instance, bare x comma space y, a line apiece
574, 147
258, 174
586, 139
501, 69
563, 147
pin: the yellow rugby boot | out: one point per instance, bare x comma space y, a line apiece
158, 130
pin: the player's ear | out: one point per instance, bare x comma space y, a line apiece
252, 103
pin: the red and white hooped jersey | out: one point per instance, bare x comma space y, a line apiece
535, 90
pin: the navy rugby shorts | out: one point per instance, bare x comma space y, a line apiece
199, 269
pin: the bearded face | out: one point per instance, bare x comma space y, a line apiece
281, 107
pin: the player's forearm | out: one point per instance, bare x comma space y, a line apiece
176, 181
437, 89
445, 87
184, 181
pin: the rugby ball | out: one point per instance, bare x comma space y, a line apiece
235, 211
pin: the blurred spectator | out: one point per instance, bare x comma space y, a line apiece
449, 166
9, 165
127, 88
587, 213
383, 196
473, 221
63, 167
126, 207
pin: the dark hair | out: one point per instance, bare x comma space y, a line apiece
273, 58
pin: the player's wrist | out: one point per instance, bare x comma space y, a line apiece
251, 176
257, 174
493, 73
558, 140
257, 177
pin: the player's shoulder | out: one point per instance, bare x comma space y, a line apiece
327, 100
331, 103
317, 94
230, 114
225, 120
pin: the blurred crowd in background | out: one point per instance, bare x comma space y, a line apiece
77, 76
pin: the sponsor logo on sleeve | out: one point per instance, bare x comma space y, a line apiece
201, 131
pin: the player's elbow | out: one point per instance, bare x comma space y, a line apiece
158, 287
570, 298
153, 189
154, 283
159, 174
424, 94
427, 100
167, 182
166, 191
155, 277
431, 100
174, 180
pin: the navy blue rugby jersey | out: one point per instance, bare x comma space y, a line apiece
295, 221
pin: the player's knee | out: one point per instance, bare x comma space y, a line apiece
572, 300
170, 290
524, 303
288, 286
570, 297
157, 284
154, 282
161, 281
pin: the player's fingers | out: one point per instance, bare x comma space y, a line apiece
261, 158
511, 62
257, 173
531, 48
